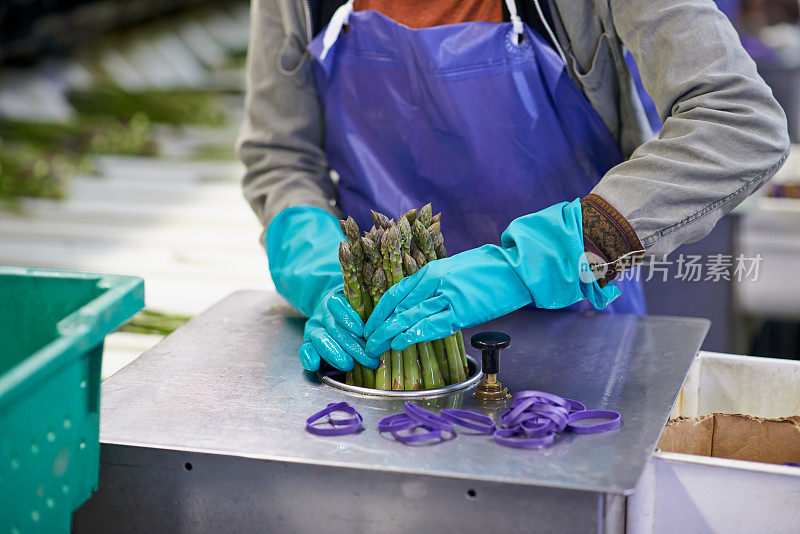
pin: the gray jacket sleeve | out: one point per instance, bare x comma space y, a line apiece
281, 139
724, 134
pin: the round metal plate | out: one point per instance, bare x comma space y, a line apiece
474, 377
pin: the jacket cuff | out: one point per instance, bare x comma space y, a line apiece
607, 234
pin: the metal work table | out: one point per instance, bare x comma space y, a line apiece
205, 433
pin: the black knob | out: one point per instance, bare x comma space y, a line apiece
490, 344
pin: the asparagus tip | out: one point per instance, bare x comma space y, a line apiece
345, 255
409, 264
410, 216
425, 214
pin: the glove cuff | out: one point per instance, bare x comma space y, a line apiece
302, 245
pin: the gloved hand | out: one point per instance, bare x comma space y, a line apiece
332, 334
302, 248
540, 260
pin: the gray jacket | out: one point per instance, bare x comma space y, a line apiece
724, 134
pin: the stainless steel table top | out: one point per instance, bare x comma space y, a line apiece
229, 382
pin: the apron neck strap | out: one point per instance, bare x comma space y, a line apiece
339, 19
516, 22
342, 15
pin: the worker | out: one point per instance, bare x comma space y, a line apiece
521, 123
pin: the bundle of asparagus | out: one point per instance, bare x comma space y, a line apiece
374, 262
169, 106
26, 171
99, 135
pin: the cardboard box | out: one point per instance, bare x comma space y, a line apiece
719, 467
735, 436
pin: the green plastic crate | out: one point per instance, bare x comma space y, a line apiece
52, 326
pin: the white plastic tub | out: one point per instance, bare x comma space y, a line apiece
681, 493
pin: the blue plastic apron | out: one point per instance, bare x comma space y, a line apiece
461, 116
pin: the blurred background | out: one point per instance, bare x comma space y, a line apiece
117, 126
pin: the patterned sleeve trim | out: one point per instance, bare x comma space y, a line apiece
606, 231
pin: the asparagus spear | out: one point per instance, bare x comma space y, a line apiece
377, 237
404, 230
414, 354
352, 285
423, 240
409, 265
368, 273
463, 351
397, 357
358, 380
419, 257
431, 374
351, 231
437, 218
352, 273
391, 247
376, 285
454, 363
438, 344
380, 220
438, 246
430, 241
441, 358
352, 234
367, 376
435, 230
371, 253
410, 216
412, 377
425, 215
398, 383
383, 378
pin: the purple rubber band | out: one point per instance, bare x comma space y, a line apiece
339, 427
537, 428
427, 418
548, 398
474, 421
613, 421
416, 437
511, 417
559, 416
403, 426
575, 406
532, 408
332, 407
509, 437
334, 431
341, 422
346, 408
398, 421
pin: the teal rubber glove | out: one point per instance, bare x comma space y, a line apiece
302, 246
334, 337
541, 260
